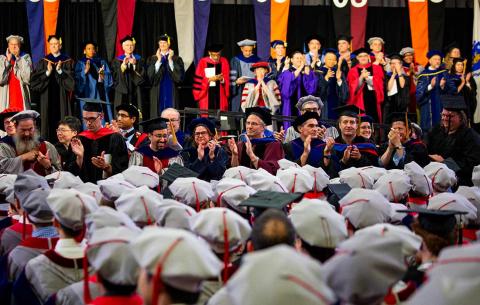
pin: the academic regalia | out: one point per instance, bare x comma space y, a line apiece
14, 82
55, 92
73, 294
294, 150
13, 235
212, 97
268, 150
459, 148
367, 150
398, 99
113, 300
240, 66
270, 96
292, 89
25, 251
128, 84
331, 93
429, 101
412, 81
67, 158
367, 100
164, 81
44, 275
274, 72
88, 86
134, 139
143, 156
10, 164
207, 169
415, 150
103, 140
469, 95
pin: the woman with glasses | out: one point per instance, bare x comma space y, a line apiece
205, 156
69, 146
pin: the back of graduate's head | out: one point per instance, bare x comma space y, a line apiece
115, 289
272, 228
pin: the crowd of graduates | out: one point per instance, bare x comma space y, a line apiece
100, 205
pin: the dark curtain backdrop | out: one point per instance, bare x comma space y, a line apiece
80, 21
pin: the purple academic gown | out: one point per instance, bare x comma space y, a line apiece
292, 89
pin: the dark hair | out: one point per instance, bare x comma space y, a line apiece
116, 289
72, 122
181, 296
434, 242
272, 228
320, 254
69, 233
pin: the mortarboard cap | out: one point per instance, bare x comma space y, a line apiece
442, 176
246, 42
360, 51
260, 64
374, 172
348, 110
346, 38
191, 191
25, 115
261, 180
453, 102
26, 182
356, 178
155, 124
296, 179
175, 171
303, 118
275, 43
215, 47
365, 118
438, 222
141, 175
170, 213
320, 177
86, 43
130, 109
339, 189
36, 206
434, 53
7, 113
139, 204
93, 105
406, 50
313, 37
452, 45
63, 180
105, 217
454, 202
230, 192
372, 39
268, 199
262, 112
309, 99
127, 38
166, 38
17, 37
57, 37
394, 186
206, 122
459, 59
241, 172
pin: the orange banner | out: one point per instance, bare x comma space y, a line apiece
50, 14
418, 11
279, 19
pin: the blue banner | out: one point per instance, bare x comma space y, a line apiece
201, 17
36, 29
262, 28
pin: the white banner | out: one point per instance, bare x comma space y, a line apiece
184, 21
476, 56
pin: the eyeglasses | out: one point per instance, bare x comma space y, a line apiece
61, 130
449, 115
90, 120
201, 133
310, 109
121, 115
160, 136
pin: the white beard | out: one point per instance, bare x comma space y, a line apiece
25, 145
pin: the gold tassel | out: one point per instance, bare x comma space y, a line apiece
172, 130
406, 124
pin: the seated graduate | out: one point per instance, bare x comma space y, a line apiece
401, 148
255, 149
105, 153
308, 148
453, 142
365, 127
205, 156
350, 149
157, 156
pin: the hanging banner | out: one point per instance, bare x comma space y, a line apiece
358, 23
279, 10
50, 13
201, 10
262, 28
184, 22
476, 56
418, 12
125, 15
109, 16
436, 25
36, 29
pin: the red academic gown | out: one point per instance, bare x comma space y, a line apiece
201, 87
356, 95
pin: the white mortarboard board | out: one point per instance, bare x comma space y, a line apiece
191, 191
6, 181
442, 177
238, 172
309, 99
64, 180
406, 50
320, 177
27, 182
410, 241
90, 189
105, 217
231, 192
364, 268
173, 214
185, 260
472, 193
364, 208
356, 178
246, 42
141, 175
70, 207
296, 180
112, 189
394, 186
476, 176
374, 171
36, 206
139, 204
457, 262
372, 39
317, 223
453, 202
284, 164
261, 180
288, 277
421, 183
25, 115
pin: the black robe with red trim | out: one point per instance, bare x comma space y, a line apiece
104, 140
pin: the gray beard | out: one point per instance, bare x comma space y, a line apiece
25, 145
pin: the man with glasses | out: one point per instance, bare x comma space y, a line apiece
69, 146
453, 142
127, 119
157, 156
105, 152
25, 150
255, 149
172, 115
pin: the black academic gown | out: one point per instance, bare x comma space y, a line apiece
399, 101
163, 91
207, 169
68, 159
415, 150
55, 92
459, 149
103, 140
128, 84
368, 151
